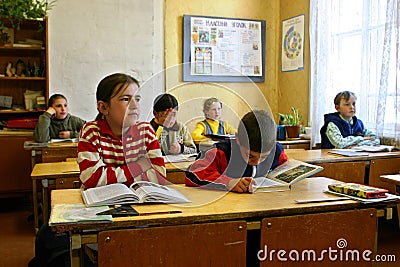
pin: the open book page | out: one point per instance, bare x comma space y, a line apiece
110, 194
152, 192
31, 144
263, 184
377, 148
139, 192
68, 140
77, 213
285, 175
292, 171
180, 158
348, 152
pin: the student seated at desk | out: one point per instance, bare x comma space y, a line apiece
173, 136
56, 122
212, 124
116, 148
343, 129
232, 164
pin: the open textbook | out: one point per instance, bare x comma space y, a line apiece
64, 140
138, 192
348, 152
284, 176
32, 144
376, 148
357, 151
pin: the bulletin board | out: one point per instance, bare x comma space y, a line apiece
217, 49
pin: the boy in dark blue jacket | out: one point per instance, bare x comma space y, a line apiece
343, 129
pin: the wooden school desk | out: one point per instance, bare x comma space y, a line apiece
212, 229
54, 152
296, 144
359, 169
65, 175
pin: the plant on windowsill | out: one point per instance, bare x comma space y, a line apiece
292, 123
13, 12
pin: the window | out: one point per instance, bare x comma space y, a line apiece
349, 51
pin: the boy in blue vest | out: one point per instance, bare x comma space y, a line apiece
232, 164
342, 129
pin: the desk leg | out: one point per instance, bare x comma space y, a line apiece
35, 205
45, 186
75, 250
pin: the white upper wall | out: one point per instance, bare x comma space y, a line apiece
91, 39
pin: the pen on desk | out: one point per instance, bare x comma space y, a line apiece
70, 172
160, 212
254, 172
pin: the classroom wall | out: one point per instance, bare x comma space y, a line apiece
294, 86
91, 39
238, 98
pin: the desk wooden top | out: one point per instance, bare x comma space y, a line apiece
65, 169
71, 168
208, 205
322, 156
53, 170
16, 133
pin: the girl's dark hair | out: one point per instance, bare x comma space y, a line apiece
165, 101
111, 85
54, 98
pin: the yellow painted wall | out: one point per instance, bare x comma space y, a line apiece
294, 86
238, 98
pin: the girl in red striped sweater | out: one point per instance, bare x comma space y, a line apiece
116, 148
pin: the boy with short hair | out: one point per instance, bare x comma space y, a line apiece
343, 129
232, 164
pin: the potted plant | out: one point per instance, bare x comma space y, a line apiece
13, 12
292, 123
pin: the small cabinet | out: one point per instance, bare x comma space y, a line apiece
15, 164
23, 68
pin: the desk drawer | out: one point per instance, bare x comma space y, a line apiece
379, 167
68, 183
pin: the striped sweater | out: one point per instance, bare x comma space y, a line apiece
105, 159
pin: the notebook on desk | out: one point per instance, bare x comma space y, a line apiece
377, 148
348, 152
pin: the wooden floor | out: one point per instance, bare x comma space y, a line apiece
18, 238
17, 242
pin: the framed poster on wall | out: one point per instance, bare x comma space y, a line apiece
217, 49
293, 44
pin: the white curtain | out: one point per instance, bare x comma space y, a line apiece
355, 46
